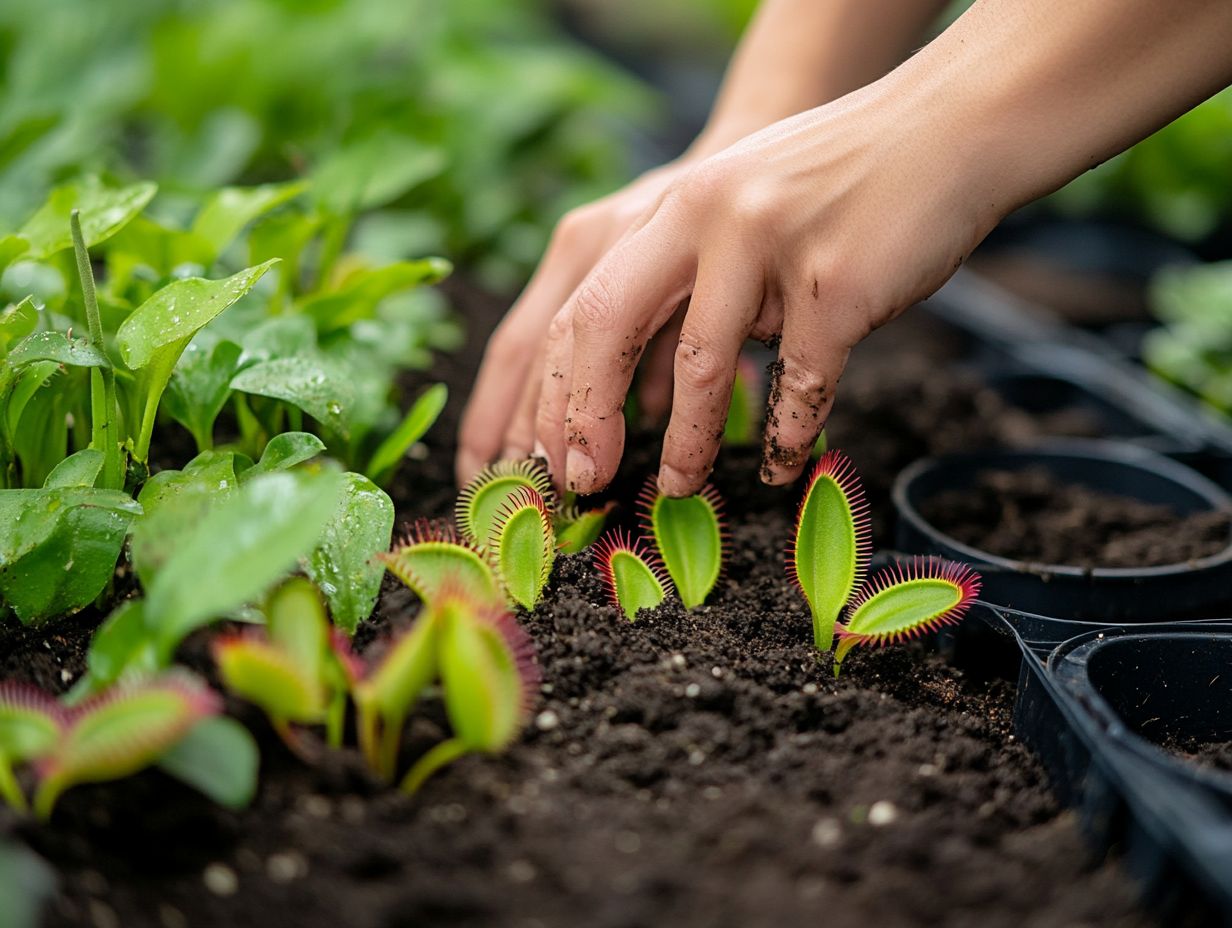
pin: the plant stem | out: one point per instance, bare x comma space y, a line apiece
444, 753
102, 380
9, 790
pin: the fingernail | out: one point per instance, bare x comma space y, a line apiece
579, 471
672, 482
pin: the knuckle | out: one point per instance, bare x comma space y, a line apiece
699, 366
560, 326
803, 384
755, 202
595, 307
574, 227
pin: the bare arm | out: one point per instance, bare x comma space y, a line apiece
828, 224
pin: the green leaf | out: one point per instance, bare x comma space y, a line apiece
175, 313
315, 385
17, 321
104, 211
199, 387
218, 757
174, 503
77, 470
285, 451
11, 247
419, 419
121, 732
357, 296
58, 547
344, 564
238, 550
122, 645
524, 545
152, 339
428, 564
744, 410
832, 546
58, 347
689, 536
229, 210
375, 171
577, 531
636, 585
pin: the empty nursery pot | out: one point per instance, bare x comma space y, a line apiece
1158, 685
1197, 587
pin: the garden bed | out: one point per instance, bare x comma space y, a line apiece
695, 769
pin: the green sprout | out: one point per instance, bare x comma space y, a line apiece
744, 410
634, 576
107, 737
577, 530
829, 556
481, 501
828, 560
433, 555
690, 536
905, 601
297, 670
522, 544
488, 678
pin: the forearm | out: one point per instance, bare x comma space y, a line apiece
798, 54
1036, 93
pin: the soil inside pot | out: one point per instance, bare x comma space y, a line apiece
1214, 754
695, 769
1030, 515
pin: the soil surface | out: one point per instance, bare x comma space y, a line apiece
694, 769
1030, 515
1214, 754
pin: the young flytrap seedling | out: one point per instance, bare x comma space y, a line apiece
108, 737
828, 559
690, 546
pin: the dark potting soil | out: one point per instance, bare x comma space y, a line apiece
1030, 515
1214, 754
695, 769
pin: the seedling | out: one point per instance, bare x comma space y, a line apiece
905, 601
489, 681
828, 558
634, 576
433, 555
297, 670
481, 501
522, 544
690, 536
577, 530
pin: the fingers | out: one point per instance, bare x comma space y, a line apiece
612, 315
725, 304
802, 383
507, 360
520, 433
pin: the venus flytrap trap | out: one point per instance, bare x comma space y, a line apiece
828, 559
432, 555
522, 544
690, 536
482, 500
578, 529
633, 574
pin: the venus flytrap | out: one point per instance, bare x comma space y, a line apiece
482, 499
828, 558
576, 529
634, 576
432, 555
522, 544
690, 537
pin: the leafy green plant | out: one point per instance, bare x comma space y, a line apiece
828, 559
634, 576
111, 736
1193, 348
690, 538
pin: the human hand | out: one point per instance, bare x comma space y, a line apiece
821, 228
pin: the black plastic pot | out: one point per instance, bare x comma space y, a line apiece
1146, 594
1172, 830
